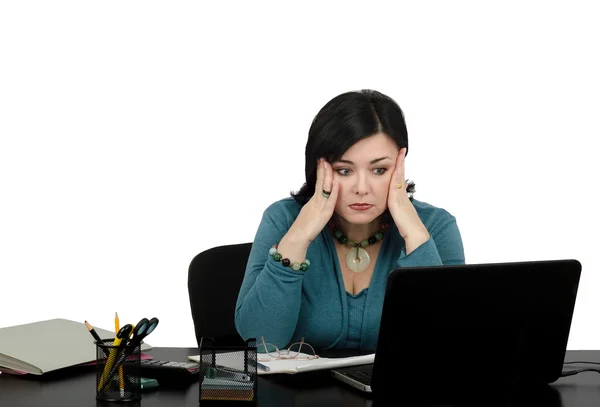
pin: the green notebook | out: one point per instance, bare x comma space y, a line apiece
225, 384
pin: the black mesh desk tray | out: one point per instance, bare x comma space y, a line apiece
228, 374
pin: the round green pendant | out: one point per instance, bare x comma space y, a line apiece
357, 259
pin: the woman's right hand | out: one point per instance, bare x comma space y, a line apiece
317, 212
313, 216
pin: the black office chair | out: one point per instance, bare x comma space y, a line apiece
214, 279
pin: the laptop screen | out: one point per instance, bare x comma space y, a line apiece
478, 326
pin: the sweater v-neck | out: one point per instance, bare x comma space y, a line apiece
378, 278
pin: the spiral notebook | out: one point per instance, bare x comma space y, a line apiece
299, 364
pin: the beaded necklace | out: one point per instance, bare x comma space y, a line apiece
357, 258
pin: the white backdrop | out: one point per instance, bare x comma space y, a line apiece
137, 134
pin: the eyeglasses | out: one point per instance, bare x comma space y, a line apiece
294, 351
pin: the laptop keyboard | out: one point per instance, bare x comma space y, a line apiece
363, 375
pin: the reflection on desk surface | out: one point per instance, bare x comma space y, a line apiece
306, 389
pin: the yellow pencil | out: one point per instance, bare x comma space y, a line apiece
121, 381
109, 363
123, 334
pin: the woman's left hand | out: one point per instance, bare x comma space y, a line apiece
405, 216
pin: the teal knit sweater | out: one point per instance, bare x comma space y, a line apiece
283, 305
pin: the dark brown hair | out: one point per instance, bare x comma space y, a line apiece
345, 120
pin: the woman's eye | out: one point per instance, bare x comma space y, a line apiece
379, 171
343, 171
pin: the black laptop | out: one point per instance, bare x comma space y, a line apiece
467, 329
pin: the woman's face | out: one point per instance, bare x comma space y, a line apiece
363, 173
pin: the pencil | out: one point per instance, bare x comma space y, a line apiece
121, 380
93, 331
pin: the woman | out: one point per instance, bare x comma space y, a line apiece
320, 259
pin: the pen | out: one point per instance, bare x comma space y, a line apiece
223, 373
261, 366
93, 331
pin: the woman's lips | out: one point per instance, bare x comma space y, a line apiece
361, 207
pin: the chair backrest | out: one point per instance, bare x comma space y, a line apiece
214, 280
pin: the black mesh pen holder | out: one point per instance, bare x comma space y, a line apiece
228, 374
118, 372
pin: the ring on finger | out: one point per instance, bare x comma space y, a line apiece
326, 194
399, 185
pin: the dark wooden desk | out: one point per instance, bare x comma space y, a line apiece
307, 389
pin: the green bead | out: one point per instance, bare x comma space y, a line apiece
211, 373
338, 234
351, 242
304, 266
344, 239
277, 256
307, 262
378, 235
296, 266
364, 243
